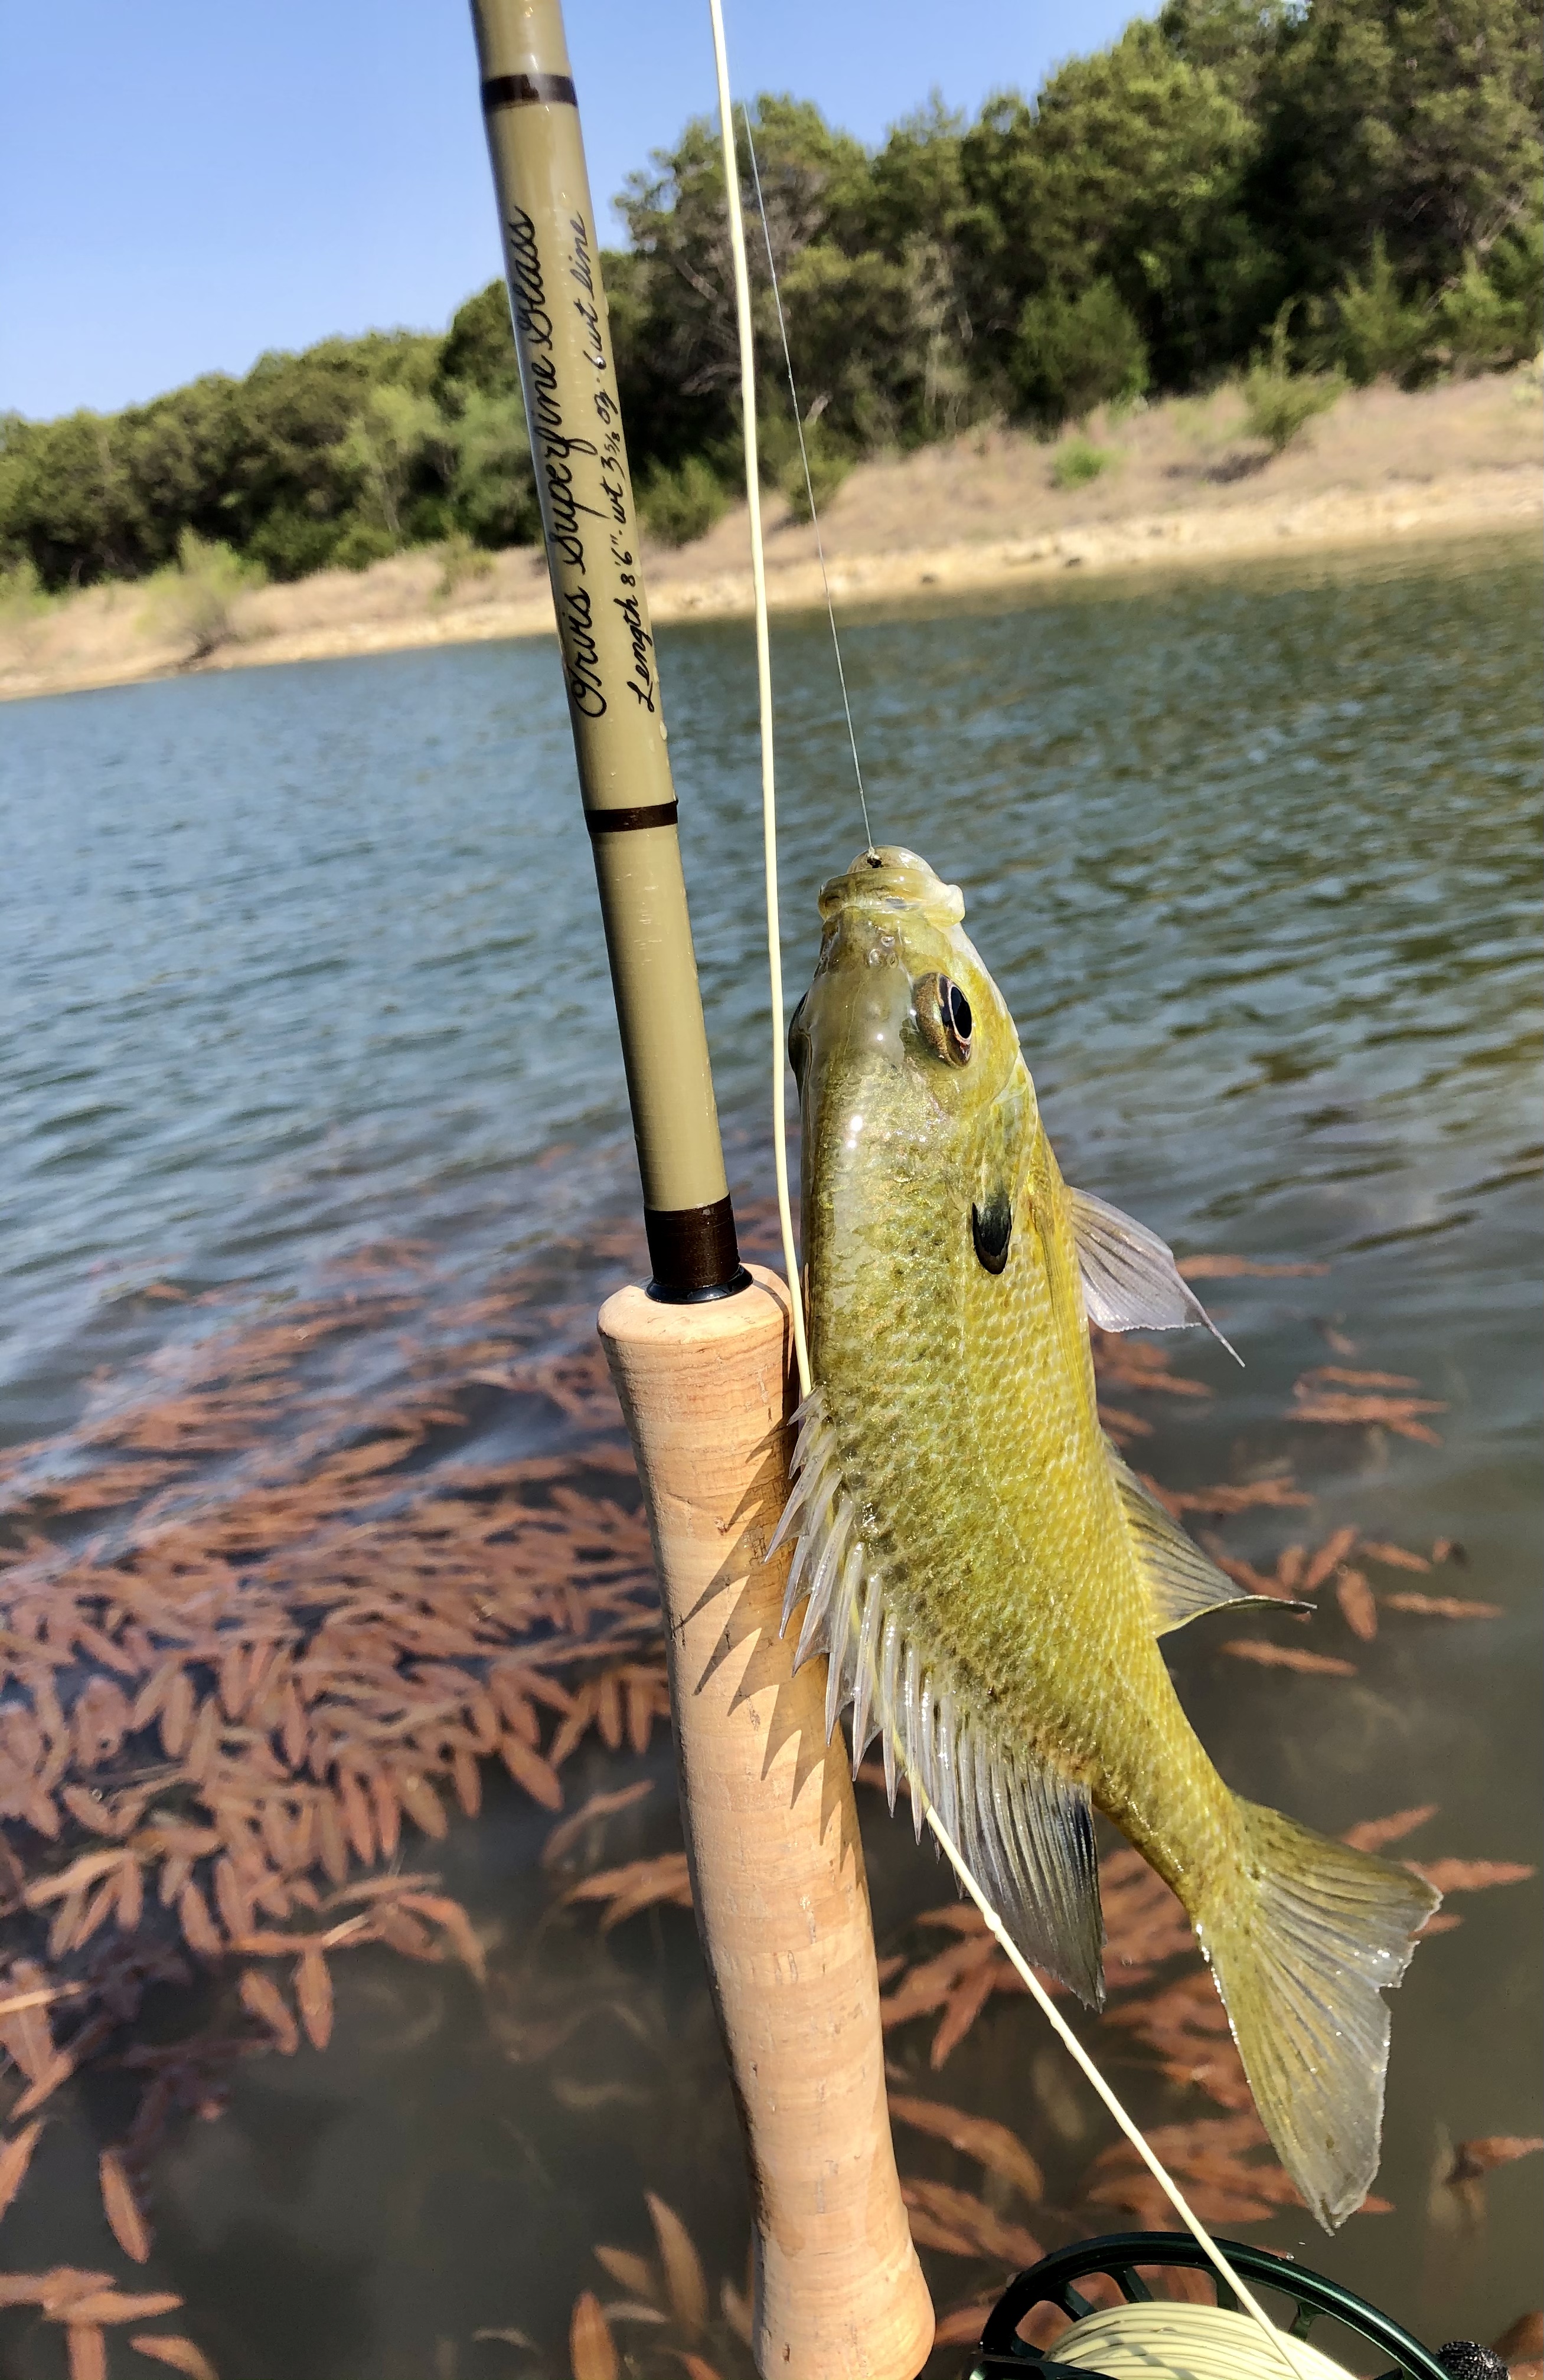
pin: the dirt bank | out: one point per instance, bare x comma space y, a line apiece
1182, 482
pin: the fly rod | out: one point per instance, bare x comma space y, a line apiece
590, 526
703, 1360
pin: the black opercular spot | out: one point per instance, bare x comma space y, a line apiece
992, 1228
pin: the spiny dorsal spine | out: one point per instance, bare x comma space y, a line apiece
1026, 1831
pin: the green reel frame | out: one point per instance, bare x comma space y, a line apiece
1003, 2355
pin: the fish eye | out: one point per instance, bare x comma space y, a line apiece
943, 1018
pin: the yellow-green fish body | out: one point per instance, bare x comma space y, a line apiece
988, 1578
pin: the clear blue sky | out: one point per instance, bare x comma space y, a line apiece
183, 185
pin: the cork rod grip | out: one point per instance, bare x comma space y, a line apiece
771, 1836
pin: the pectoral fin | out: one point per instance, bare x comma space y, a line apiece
1130, 1279
1180, 1580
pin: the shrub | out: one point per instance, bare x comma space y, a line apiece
1489, 319
193, 598
1074, 353
360, 544
680, 506
1279, 405
1077, 461
828, 467
290, 541
22, 594
1278, 402
1377, 333
459, 560
1515, 266
1492, 316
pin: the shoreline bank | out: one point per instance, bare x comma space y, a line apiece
981, 514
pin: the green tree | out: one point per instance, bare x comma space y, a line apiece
295, 479
1075, 353
67, 501
492, 491
1516, 269
478, 348
1414, 120
916, 181
1130, 168
680, 506
1372, 166
492, 486
177, 453
672, 313
1234, 39
917, 200
852, 336
404, 451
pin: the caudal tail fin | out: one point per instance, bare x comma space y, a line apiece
1303, 1943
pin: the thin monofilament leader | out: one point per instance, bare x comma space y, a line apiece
809, 476
780, 1145
763, 682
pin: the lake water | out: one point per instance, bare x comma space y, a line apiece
298, 960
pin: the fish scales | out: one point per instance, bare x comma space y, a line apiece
987, 1580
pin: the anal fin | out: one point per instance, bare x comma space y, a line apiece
1028, 1836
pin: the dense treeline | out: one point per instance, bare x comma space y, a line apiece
1352, 183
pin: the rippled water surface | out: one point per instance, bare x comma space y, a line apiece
298, 960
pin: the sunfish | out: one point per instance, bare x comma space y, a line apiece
987, 1579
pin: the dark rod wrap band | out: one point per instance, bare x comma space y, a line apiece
694, 1254
622, 822
527, 90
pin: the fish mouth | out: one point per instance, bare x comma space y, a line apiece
884, 922
859, 999
886, 881
889, 923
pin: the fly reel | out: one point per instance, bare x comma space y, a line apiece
1148, 2338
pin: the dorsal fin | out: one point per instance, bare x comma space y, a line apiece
1130, 1279
1026, 1830
1181, 1581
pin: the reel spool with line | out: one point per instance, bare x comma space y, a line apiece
1146, 2338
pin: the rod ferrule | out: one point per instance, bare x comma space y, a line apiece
694, 1254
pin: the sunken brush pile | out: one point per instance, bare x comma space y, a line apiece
265, 1620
